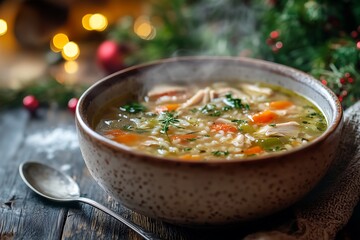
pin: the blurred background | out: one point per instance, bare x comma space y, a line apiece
51, 50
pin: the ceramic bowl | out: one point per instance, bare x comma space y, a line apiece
216, 192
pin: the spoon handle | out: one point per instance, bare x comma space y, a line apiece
133, 226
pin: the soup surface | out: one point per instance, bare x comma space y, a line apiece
213, 121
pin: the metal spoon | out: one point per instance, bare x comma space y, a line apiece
55, 185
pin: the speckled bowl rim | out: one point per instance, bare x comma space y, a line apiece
279, 69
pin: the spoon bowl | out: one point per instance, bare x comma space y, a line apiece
49, 182
52, 184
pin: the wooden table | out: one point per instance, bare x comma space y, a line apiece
50, 138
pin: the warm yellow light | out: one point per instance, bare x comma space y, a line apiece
144, 29
3, 27
71, 67
86, 22
98, 22
58, 42
70, 51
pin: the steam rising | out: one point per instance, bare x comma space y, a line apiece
221, 26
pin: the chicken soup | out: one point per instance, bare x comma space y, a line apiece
204, 122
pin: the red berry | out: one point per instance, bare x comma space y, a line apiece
274, 34
358, 45
350, 80
30, 103
323, 81
342, 80
72, 104
347, 75
279, 45
110, 56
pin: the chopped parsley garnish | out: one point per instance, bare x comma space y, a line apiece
321, 126
211, 110
305, 122
272, 125
227, 108
127, 127
239, 121
220, 153
191, 139
235, 102
168, 119
133, 108
187, 149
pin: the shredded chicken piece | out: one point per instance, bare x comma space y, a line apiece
202, 96
222, 120
165, 90
233, 91
253, 89
239, 141
249, 137
281, 129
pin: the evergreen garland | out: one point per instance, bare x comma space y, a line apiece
46, 91
320, 37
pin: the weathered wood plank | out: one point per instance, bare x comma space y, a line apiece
23, 215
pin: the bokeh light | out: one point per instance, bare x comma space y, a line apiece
86, 22
58, 42
70, 51
98, 22
3, 27
144, 29
71, 67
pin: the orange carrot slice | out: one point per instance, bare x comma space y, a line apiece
124, 137
253, 150
223, 127
190, 157
167, 107
184, 138
278, 105
264, 117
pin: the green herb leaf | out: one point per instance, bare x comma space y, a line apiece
168, 119
220, 153
239, 121
133, 108
127, 127
211, 110
235, 102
